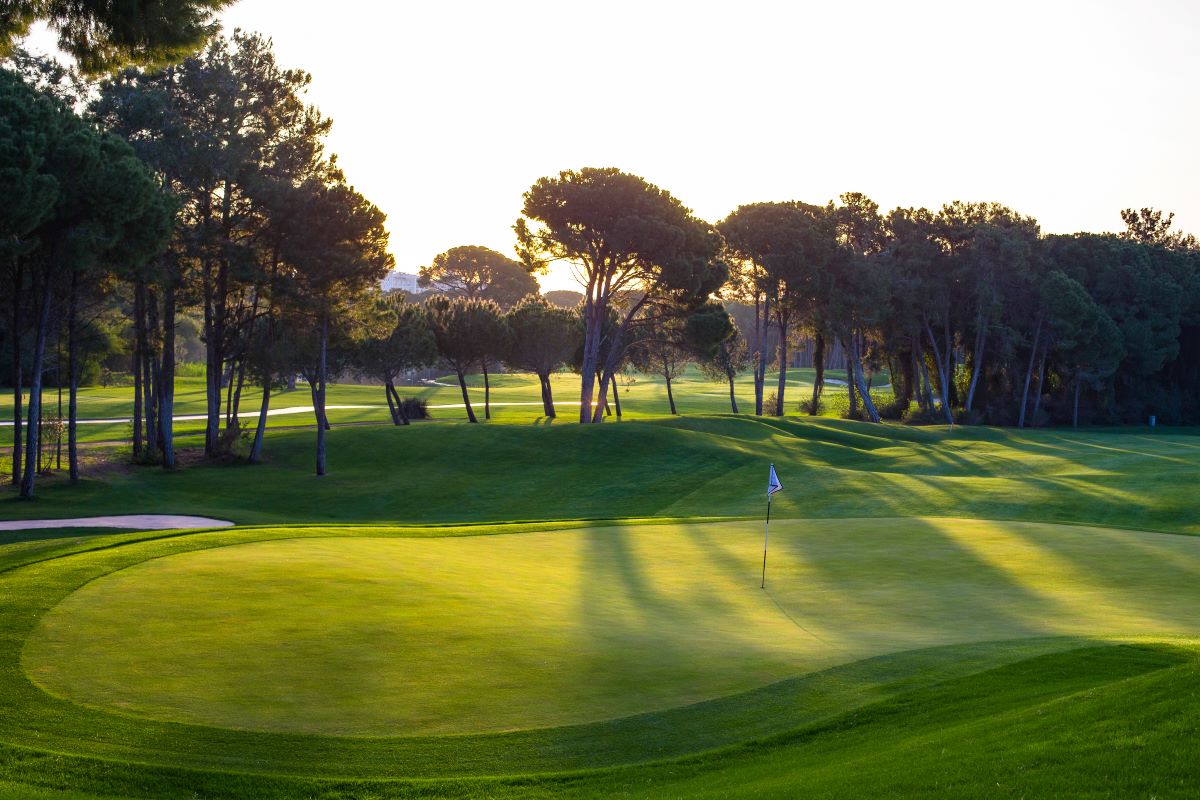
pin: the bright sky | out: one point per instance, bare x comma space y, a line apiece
446, 112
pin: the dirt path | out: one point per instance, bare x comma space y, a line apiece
136, 522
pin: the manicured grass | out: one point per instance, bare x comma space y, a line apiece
401, 636
927, 631
682, 467
516, 398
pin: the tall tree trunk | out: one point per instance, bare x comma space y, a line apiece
948, 353
235, 420
1074, 414
819, 370
760, 368
1037, 400
602, 402
73, 377
322, 422
149, 370
1037, 337
387, 392
851, 387
314, 392
612, 379
212, 385
927, 384
462, 384
32, 430
487, 392
58, 380
166, 394
18, 286
670, 395
976, 362
943, 379
856, 376
612, 358
400, 412
214, 331
547, 396
781, 387
218, 299
233, 362
732, 396
261, 429
593, 315
139, 343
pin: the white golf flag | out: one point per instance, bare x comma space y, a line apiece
773, 484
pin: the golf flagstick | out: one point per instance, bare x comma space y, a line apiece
773, 486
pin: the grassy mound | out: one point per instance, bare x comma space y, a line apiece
687, 467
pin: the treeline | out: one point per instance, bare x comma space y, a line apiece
976, 316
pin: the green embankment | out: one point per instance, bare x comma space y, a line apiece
693, 466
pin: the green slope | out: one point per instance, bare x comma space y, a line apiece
684, 467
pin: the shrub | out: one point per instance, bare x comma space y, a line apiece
415, 408
894, 409
839, 402
918, 416
770, 403
806, 407
190, 369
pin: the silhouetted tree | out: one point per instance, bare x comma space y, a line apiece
623, 237
478, 273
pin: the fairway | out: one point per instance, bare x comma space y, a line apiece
378, 635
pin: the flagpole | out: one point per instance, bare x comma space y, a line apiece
766, 533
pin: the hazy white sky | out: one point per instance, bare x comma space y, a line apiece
446, 112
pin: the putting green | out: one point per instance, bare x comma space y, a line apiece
397, 636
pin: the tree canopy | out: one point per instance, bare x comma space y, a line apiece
623, 237
478, 273
102, 35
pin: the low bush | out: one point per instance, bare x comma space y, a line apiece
770, 403
415, 408
894, 409
916, 415
806, 407
839, 402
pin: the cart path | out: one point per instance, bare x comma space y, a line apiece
140, 522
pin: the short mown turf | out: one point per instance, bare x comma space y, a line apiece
927, 630
400, 636
711, 466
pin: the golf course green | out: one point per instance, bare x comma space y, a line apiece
399, 636
527, 610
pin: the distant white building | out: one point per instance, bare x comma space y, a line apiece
402, 281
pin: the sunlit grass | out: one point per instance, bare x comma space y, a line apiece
387, 636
